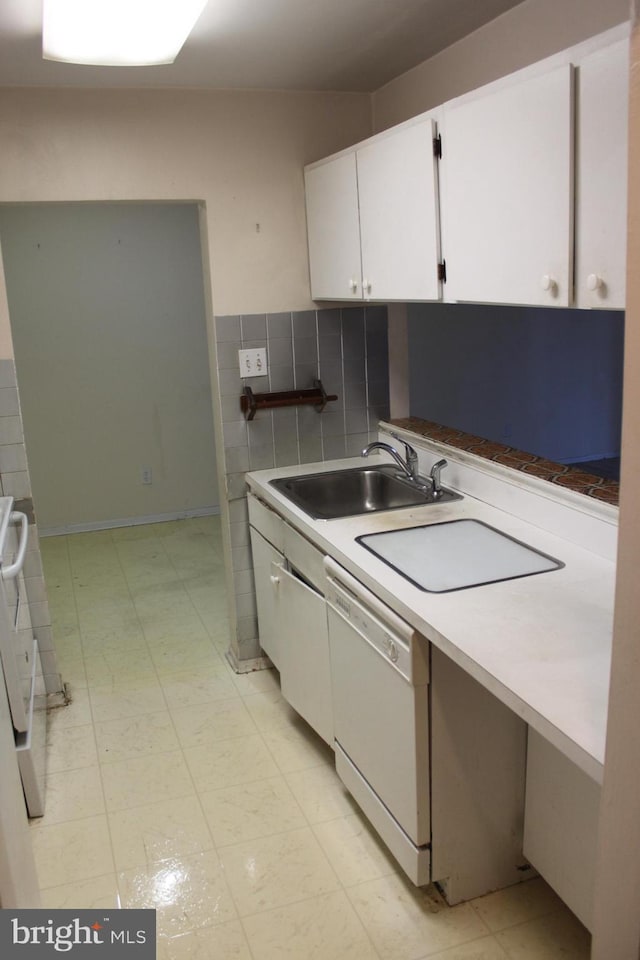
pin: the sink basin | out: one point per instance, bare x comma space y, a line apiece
346, 493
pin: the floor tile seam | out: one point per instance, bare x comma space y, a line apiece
84, 766
225, 848
59, 886
299, 900
104, 792
260, 913
214, 847
69, 819
144, 803
140, 756
559, 908
202, 703
212, 927
243, 783
100, 765
435, 955
351, 890
95, 745
181, 751
149, 651
184, 580
191, 777
150, 866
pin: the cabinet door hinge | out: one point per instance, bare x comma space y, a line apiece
437, 147
442, 271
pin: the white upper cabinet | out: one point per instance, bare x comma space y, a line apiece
333, 229
507, 164
397, 189
372, 219
601, 177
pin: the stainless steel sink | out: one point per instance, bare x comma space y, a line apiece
346, 493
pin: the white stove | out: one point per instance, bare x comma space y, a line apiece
20, 658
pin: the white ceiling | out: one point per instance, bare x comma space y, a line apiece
275, 44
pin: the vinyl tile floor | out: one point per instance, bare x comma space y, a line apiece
176, 784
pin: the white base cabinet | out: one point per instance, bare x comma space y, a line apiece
266, 565
292, 617
305, 677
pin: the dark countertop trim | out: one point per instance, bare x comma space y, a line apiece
571, 478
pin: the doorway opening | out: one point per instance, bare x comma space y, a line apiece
108, 318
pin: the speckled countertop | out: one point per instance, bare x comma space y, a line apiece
571, 478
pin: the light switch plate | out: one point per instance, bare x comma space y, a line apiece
253, 363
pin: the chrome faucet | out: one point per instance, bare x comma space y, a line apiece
409, 466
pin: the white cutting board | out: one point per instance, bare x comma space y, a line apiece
456, 554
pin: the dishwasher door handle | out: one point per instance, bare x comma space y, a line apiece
13, 569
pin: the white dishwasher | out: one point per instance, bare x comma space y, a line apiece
380, 682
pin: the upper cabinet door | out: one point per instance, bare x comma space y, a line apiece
333, 229
399, 229
601, 188
507, 162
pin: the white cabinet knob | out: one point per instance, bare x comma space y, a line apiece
548, 283
274, 580
353, 285
594, 282
366, 286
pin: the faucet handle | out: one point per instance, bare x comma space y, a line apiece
436, 470
409, 452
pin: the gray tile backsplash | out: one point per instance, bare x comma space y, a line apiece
347, 349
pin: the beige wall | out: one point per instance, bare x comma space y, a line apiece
6, 344
241, 153
617, 894
531, 31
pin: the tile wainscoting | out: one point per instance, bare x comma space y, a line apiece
348, 350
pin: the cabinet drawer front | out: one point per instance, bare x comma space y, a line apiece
266, 522
306, 558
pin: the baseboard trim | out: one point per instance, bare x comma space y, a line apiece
92, 526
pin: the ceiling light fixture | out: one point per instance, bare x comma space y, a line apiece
117, 32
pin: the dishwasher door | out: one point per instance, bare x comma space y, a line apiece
380, 681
